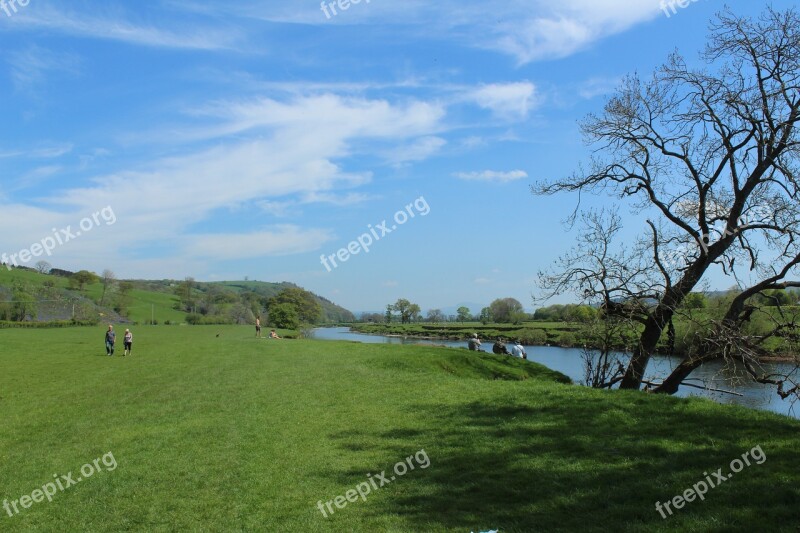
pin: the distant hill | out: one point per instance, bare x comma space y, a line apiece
332, 313
52, 297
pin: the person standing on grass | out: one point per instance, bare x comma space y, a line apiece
127, 342
258, 327
111, 340
519, 351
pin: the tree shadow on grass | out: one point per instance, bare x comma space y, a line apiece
589, 462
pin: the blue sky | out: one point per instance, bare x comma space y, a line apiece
249, 138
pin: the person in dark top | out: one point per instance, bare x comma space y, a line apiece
111, 339
500, 347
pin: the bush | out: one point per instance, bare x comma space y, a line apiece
194, 319
567, 340
283, 316
536, 337
4, 324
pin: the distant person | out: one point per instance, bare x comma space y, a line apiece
111, 340
258, 327
474, 343
519, 351
273, 335
500, 347
127, 342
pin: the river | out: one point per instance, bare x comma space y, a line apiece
568, 361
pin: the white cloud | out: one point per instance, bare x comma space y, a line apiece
117, 27
528, 30
507, 100
553, 30
283, 152
492, 175
282, 240
419, 150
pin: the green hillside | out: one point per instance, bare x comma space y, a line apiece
332, 313
51, 297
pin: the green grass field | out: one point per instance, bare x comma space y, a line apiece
232, 433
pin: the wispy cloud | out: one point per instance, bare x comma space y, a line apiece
30, 66
116, 25
528, 30
284, 154
281, 240
45, 152
418, 150
492, 175
595, 87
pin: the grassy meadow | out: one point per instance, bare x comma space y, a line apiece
212, 429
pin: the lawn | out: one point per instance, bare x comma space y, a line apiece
211, 429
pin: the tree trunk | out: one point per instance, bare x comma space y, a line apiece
681, 372
663, 314
641, 355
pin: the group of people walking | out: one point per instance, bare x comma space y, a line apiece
127, 340
111, 341
499, 347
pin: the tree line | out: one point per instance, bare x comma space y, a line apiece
502, 310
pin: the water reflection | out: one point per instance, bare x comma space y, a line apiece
569, 361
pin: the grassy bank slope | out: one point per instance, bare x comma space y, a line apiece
232, 433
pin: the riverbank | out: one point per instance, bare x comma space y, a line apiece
570, 361
213, 429
561, 334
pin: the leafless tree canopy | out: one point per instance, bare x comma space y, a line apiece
707, 159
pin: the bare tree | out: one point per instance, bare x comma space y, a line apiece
436, 315
108, 278
709, 158
43, 267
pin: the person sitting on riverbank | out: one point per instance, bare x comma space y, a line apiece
273, 335
474, 343
500, 347
519, 351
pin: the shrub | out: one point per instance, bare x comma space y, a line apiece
536, 337
193, 318
567, 340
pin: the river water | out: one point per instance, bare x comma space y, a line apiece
569, 361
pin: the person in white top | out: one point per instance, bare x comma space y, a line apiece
519, 351
128, 342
